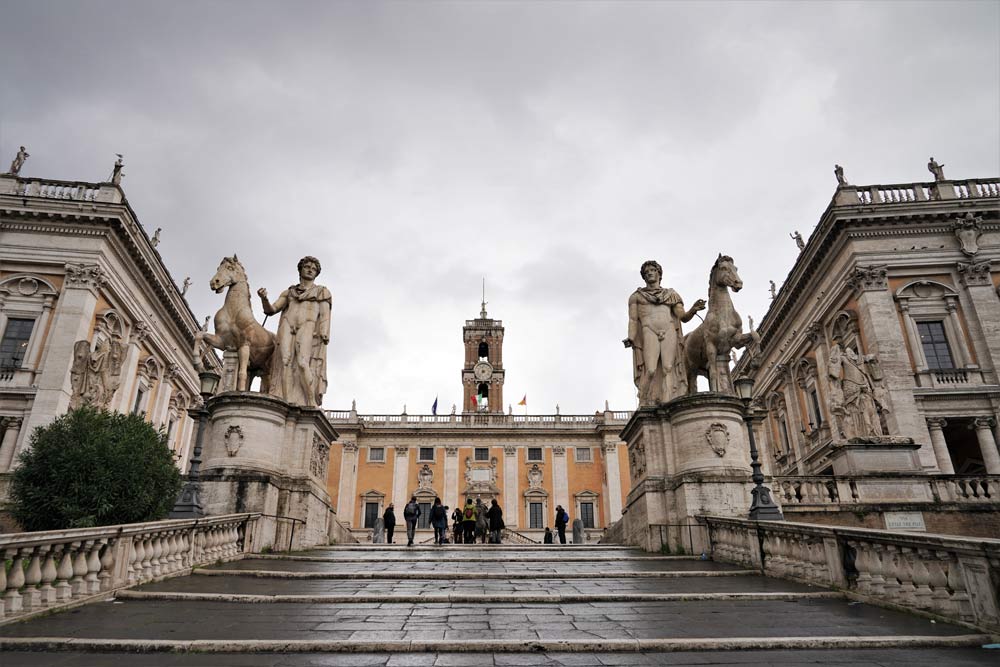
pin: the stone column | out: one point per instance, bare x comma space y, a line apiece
400, 477
510, 490
74, 315
936, 425
613, 472
451, 478
986, 314
130, 367
987, 443
560, 478
885, 339
347, 488
12, 428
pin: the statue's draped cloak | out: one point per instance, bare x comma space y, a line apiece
676, 384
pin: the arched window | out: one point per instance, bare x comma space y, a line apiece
484, 350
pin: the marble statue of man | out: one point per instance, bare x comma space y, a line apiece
19, 160
116, 171
854, 393
838, 171
655, 314
799, 241
936, 169
298, 365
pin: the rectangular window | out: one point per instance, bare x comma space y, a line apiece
426, 454
587, 514
424, 520
817, 413
583, 455
935, 344
535, 516
371, 513
482, 453
376, 454
14, 344
140, 394
534, 453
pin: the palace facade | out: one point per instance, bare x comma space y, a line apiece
89, 313
528, 463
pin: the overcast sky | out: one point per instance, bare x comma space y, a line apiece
550, 147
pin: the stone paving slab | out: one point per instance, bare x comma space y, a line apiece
241, 585
925, 657
492, 567
176, 620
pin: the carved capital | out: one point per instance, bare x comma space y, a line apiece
450, 451
13, 423
936, 423
983, 423
350, 446
814, 332
173, 371
975, 274
402, 450
509, 450
610, 447
558, 450
869, 278
140, 332
85, 276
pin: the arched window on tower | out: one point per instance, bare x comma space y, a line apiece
484, 350
484, 395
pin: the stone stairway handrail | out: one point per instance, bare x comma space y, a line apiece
60, 568
941, 575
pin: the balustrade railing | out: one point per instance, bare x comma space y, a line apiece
841, 490
51, 569
917, 192
59, 190
483, 419
951, 577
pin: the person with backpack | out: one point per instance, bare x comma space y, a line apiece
482, 523
439, 520
410, 514
495, 516
389, 520
469, 516
562, 518
456, 526
548, 536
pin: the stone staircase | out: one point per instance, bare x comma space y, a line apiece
482, 605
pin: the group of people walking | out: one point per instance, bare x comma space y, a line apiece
475, 521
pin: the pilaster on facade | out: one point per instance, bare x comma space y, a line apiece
346, 488
613, 479
401, 476
984, 318
560, 476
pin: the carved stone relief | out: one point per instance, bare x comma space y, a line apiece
320, 458
96, 372
869, 278
718, 438
975, 274
233, 439
637, 460
535, 477
86, 276
425, 478
968, 231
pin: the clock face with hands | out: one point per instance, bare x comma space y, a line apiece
483, 371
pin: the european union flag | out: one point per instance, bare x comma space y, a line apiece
434, 408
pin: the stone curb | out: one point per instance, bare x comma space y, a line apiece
516, 559
474, 599
484, 646
434, 575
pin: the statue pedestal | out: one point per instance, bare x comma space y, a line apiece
875, 454
261, 454
688, 457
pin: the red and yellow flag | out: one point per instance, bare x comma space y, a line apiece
524, 401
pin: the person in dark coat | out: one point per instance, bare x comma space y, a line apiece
456, 525
411, 513
548, 536
389, 519
495, 516
562, 518
439, 520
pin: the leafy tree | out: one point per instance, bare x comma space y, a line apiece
94, 468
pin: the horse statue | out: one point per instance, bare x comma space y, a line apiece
237, 329
719, 333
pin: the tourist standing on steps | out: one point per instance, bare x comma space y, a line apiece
548, 536
389, 519
495, 516
439, 520
469, 516
562, 518
410, 514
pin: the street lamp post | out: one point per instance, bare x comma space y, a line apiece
763, 507
188, 504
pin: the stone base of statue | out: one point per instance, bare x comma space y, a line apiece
261, 454
875, 454
688, 457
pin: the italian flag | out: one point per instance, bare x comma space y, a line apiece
475, 401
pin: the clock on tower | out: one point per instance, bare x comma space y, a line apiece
483, 374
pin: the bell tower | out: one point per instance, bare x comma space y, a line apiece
483, 372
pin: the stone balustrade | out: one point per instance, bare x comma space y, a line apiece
950, 577
75, 191
480, 419
52, 569
839, 491
903, 193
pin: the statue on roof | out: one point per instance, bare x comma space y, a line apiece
936, 169
838, 171
19, 160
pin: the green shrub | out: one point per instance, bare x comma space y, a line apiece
94, 468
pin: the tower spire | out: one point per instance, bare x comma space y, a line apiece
482, 313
